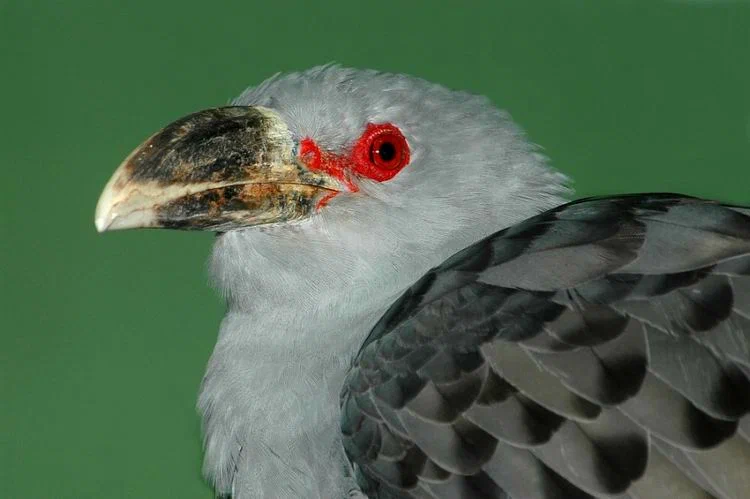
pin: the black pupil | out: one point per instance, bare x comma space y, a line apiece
387, 151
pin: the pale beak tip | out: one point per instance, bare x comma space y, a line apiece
108, 220
121, 207
103, 217
102, 223
119, 211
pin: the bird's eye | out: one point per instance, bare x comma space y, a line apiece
385, 151
381, 152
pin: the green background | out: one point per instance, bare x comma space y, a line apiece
104, 338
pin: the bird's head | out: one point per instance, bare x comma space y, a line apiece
354, 155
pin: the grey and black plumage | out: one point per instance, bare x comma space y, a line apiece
599, 349
415, 310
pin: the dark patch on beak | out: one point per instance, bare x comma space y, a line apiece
212, 145
219, 209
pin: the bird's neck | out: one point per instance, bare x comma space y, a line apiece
301, 301
270, 397
271, 407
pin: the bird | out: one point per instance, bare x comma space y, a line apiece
418, 306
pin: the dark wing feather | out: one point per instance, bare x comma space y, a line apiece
600, 349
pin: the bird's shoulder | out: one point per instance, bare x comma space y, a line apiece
527, 362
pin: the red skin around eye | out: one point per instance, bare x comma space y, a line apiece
360, 160
324, 201
333, 164
361, 154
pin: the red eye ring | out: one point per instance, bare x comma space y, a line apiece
381, 152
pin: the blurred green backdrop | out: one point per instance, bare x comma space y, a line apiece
103, 339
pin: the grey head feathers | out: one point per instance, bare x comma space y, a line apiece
472, 171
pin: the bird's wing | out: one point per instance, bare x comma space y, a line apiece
599, 349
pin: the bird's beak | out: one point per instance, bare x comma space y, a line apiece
217, 169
